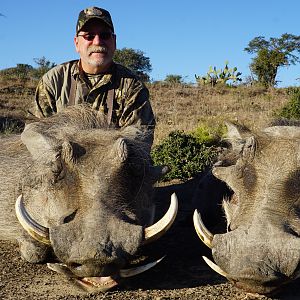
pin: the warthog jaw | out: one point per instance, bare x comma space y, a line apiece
103, 283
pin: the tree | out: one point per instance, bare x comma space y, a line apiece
271, 55
44, 66
174, 79
135, 61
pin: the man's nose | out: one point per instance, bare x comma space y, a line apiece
97, 40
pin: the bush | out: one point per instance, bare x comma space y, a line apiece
209, 135
10, 125
291, 110
184, 154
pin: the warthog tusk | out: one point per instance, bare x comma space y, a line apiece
204, 234
156, 230
35, 230
138, 270
215, 267
63, 269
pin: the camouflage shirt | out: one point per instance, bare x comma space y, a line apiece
131, 105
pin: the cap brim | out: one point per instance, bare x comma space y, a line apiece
95, 17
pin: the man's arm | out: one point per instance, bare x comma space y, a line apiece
138, 112
45, 105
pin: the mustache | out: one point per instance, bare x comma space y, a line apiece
97, 49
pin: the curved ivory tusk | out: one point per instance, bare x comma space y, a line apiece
156, 230
204, 234
35, 230
138, 270
215, 267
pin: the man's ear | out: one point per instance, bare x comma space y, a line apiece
76, 43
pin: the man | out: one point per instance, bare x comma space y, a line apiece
96, 79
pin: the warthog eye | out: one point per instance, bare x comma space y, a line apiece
57, 168
291, 230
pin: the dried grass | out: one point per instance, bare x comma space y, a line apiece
186, 107
177, 107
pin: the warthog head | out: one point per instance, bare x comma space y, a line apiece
86, 197
260, 251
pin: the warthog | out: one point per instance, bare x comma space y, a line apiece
260, 250
82, 194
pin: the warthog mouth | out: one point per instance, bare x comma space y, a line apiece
102, 283
252, 286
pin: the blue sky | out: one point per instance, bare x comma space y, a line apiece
180, 37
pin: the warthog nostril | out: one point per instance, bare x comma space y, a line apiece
70, 217
74, 265
94, 269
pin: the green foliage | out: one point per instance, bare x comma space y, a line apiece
265, 66
25, 72
135, 61
209, 135
216, 76
10, 126
291, 110
185, 155
20, 72
44, 66
174, 79
271, 55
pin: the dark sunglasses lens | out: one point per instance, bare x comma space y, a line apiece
105, 35
102, 35
89, 37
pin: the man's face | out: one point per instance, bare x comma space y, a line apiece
96, 45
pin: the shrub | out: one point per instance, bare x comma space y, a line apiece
292, 109
209, 135
184, 154
174, 79
9, 125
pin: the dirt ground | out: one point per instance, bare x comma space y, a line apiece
181, 275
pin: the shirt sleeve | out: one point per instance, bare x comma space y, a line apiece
138, 112
45, 104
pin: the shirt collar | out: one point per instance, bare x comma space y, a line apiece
77, 71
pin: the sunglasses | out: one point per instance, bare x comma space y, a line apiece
102, 35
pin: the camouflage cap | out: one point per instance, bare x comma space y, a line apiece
91, 13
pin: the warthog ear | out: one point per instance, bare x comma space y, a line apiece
233, 132
288, 132
237, 136
37, 143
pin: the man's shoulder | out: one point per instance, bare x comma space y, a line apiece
123, 71
61, 69
128, 77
